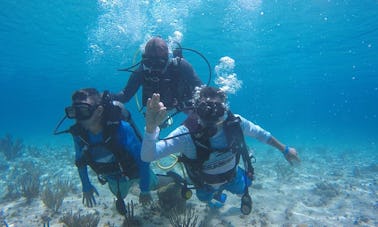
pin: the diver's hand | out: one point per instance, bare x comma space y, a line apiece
145, 198
292, 156
88, 197
155, 113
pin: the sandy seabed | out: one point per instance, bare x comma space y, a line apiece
331, 187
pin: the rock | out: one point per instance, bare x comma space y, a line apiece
170, 197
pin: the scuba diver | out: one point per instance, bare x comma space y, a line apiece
211, 142
107, 140
173, 78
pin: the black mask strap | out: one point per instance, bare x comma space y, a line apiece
56, 132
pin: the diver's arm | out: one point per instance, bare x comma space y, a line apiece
130, 89
255, 131
85, 182
290, 153
82, 169
277, 144
151, 148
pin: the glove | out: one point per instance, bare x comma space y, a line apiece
145, 198
88, 197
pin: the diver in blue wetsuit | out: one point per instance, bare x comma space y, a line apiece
211, 143
110, 146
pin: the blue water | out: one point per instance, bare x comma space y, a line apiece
309, 68
309, 75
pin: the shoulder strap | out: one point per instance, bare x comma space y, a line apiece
236, 141
201, 142
78, 131
122, 155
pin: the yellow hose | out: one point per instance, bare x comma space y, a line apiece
166, 168
169, 166
183, 171
136, 54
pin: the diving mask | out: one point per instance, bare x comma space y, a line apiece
80, 111
210, 111
154, 63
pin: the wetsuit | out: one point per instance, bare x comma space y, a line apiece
218, 162
102, 156
175, 86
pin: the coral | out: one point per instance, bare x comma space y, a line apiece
65, 186
326, 189
28, 186
23, 179
53, 197
170, 198
324, 192
10, 148
35, 151
153, 210
130, 219
3, 222
46, 220
12, 191
187, 219
77, 220
54, 192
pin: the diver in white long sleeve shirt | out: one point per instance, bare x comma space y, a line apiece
211, 142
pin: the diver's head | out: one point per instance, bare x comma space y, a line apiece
86, 107
210, 106
155, 57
